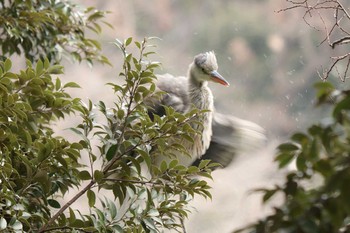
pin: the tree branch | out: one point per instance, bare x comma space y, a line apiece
63, 208
336, 29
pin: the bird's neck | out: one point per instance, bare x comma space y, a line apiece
194, 82
199, 92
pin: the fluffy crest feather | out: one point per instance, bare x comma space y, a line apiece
206, 60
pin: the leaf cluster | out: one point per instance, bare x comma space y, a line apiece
317, 193
47, 28
35, 164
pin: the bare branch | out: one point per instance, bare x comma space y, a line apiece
336, 29
337, 60
344, 10
343, 40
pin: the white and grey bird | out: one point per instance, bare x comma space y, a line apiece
182, 93
222, 136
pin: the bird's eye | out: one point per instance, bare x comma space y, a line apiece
203, 70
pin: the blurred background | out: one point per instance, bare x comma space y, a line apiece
270, 58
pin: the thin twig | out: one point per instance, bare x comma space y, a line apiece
343, 40
344, 10
335, 62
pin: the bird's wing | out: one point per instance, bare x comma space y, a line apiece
175, 96
231, 136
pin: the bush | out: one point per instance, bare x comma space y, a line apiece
316, 194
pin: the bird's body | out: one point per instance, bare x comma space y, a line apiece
183, 93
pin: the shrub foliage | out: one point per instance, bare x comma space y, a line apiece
39, 167
48, 29
316, 194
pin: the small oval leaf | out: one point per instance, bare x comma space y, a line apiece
91, 197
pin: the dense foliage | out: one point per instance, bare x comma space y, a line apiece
49, 29
34, 164
316, 194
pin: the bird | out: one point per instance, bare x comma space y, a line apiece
184, 93
222, 136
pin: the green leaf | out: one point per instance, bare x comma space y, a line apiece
146, 157
53, 203
138, 44
91, 197
46, 63
58, 84
98, 176
300, 138
71, 85
128, 41
120, 114
72, 217
301, 163
111, 152
55, 69
39, 67
84, 175
7, 65
192, 169
76, 146
203, 163
118, 193
284, 159
163, 166
287, 147
173, 163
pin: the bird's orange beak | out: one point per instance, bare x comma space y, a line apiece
216, 77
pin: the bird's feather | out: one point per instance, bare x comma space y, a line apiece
176, 93
232, 136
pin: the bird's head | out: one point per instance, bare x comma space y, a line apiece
204, 68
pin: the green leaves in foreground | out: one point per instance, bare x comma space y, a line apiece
316, 194
35, 164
